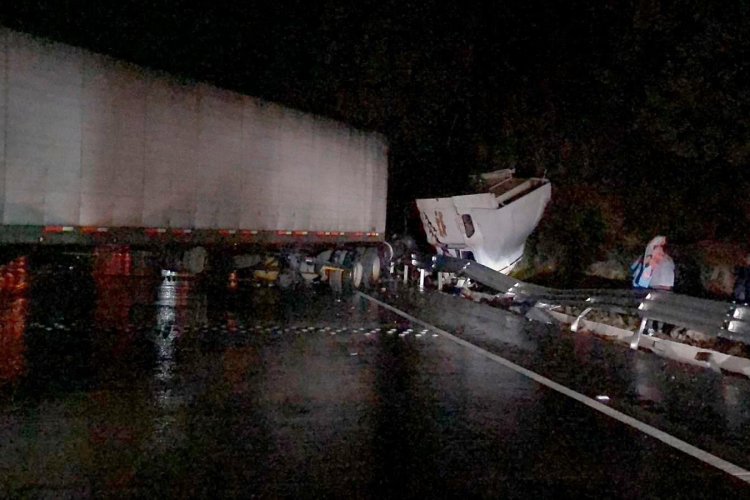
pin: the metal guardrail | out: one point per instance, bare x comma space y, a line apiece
710, 317
716, 319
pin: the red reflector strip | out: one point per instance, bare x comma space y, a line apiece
300, 233
58, 229
93, 229
323, 233
284, 233
154, 231
180, 232
227, 232
359, 234
248, 233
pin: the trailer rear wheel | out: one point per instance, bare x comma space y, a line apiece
358, 272
336, 280
371, 267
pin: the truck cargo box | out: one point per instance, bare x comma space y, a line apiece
93, 146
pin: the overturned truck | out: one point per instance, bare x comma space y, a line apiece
490, 226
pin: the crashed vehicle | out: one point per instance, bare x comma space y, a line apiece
490, 226
143, 171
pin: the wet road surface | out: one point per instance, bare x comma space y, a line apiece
707, 409
133, 387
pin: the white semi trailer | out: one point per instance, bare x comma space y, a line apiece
95, 151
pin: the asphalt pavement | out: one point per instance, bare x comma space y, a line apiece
133, 387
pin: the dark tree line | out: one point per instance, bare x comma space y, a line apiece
649, 105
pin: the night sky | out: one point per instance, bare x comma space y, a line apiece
637, 110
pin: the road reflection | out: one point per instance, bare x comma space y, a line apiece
14, 310
13, 316
645, 381
180, 309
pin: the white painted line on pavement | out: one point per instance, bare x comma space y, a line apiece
683, 446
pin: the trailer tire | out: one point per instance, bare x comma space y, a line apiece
358, 275
336, 280
371, 267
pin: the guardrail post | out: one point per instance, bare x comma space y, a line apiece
577, 322
421, 279
636, 338
406, 274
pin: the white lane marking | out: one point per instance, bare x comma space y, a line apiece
683, 446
